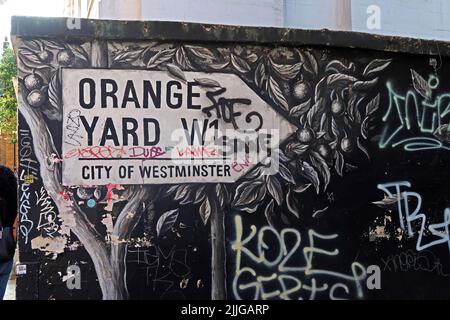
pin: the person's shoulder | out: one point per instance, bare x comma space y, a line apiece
6, 172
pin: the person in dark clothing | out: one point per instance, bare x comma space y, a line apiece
8, 214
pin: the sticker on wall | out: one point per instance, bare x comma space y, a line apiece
21, 269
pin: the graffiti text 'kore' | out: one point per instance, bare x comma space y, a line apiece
280, 278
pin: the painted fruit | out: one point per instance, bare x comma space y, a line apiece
323, 150
300, 90
45, 56
36, 98
33, 82
305, 135
346, 145
337, 107
100, 193
65, 57
84, 193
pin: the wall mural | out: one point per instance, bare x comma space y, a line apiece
361, 136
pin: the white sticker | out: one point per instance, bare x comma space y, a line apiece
21, 269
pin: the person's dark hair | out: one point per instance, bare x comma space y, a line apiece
8, 197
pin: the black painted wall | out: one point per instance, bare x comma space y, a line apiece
320, 228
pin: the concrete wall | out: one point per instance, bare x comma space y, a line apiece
318, 14
414, 18
248, 12
120, 10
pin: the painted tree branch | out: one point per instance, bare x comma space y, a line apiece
126, 222
71, 215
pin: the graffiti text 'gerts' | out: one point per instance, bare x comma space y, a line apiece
279, 277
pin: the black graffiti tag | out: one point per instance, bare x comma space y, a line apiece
224, 108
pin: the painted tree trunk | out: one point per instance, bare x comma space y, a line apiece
218, 253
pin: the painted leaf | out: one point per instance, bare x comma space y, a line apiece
172, 189
249, 192
285, 173
316, 109
55, 91
52, 44
365, 127
290, 203
421, 85
375, 66
160, 57
252, 57
201, 52
335, 129
181, 192
323, 123
301, 188
340, 80
79, 52
34, 45
206, 82
339, 67
373, 105
321, 166
189, 197
30, 59
182, 59
277, 152
309, 62
286, 71
176, 71
276, 94
205, 210
260, 75
362, 148
318, 213
356, 107
311, 174
254, 173
240, 64
365, 85
320, 89
274, 188
222, 194
128, 56
199, 194
219, 66
297, 148
268, 212
339, 164
166, 222
312, 62
300, 109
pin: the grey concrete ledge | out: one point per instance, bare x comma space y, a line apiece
33, 27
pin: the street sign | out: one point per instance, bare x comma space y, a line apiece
146, 127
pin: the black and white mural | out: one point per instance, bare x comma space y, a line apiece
179, 170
